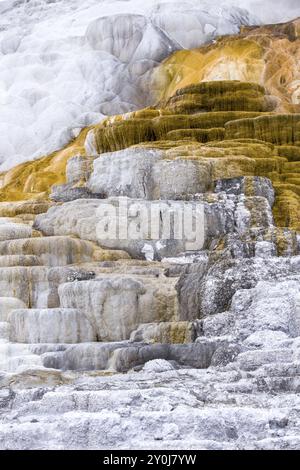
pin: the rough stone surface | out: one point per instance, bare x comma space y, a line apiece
130, 339
103, 222
12, 231
50, 326
7, 305
124, 173
258, 187
115, 306
142, 173
208, 289
67, 192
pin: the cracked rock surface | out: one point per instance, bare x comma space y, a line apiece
151, 341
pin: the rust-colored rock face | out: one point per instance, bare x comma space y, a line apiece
267, 55
232, 127
233, 104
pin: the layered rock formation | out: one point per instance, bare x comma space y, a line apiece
64, 66
267, 55
150, 297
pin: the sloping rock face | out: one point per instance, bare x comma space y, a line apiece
154, 302
266, 55
65, 66
213, 131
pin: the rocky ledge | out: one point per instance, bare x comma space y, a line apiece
153, 341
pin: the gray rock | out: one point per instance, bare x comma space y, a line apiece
196, 355
178, 179
207, 289
158, 365
51, 251
145, 229
50, 326
84, 356
125, 173
255, 185
116, 305
79, 168
68, 192
37, 287
225, 354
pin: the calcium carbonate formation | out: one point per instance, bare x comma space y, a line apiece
150, 269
